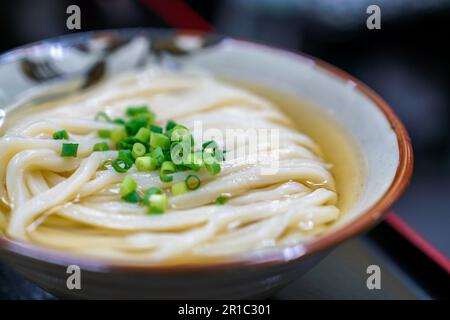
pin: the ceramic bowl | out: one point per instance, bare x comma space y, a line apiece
34, 72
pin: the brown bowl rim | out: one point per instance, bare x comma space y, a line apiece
273, 257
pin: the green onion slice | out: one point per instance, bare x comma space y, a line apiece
138, 150
132, 197
133, 126
179, 188
165, 178
104, 134
134, 111
127, 186
143, 135
192, 182
101, 146
159, 140
194, 161
122, 145
122, 165
119, 121
158, 154
156, 129
125, 154
158, 203
117, 134
149, 193
221, 200
69, 150
178, 133
146, 163
170, 125
211, 150
61, 135
213, 168
167, 168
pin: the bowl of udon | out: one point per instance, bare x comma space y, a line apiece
181, 165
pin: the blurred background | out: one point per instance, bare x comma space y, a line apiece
406, 62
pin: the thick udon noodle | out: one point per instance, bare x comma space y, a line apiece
74, 205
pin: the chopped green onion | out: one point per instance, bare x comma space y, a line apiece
211, 156
69, 150
165, 178
131, 140
134, 111
125, 154
221, 200
167, 167
170, 125
143, 135
167, 155
127, 186
101, 146
213, 168
149, 147
156, 129
192, 182
177, 151
122, 165
104, 134
126, 143
211, 149
138, 150
102, 116
135, 124
117, 134
132, 197
158, 155
159, 140
149, 193
194, 161
122, 145
61, 135
119, 121
158, 203
178, 132
146, 163
181, 167
179, 188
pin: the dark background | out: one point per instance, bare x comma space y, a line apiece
406, 62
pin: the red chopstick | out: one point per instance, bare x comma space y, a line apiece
178, 14
403, 228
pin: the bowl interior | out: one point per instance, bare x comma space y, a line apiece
339, 96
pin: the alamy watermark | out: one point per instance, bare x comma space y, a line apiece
373, 22
73, 281
251, 146
374, 280
73, 21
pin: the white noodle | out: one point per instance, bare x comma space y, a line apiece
73, 204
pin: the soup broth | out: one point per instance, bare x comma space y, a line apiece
86, 203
